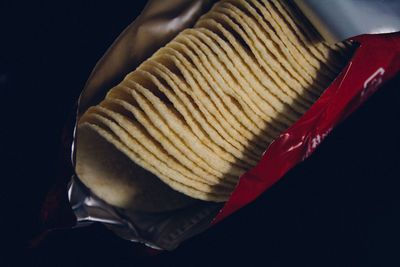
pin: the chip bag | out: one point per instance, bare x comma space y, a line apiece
375, 61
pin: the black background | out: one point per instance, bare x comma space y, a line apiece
341, 207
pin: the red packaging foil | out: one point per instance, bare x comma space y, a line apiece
376, 61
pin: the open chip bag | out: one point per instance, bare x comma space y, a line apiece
199, 107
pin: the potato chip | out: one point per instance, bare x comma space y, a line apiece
212, 104
174, 146
285, 113
266, 60
149, 148
208, 88
188, 119
301, 32
170, 123
285, 48
208, 123
244, 90
155, 165
218, 87
272, 49
202, 109
113, 177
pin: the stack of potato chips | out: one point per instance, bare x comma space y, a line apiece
202, 110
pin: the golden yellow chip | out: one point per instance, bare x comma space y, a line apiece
208, 123
301, 33
174, 146
218, 86
172, 125
212, 104
284, 48
190, 121
244, 87
137, 139
202, 109
121, 140
113, 177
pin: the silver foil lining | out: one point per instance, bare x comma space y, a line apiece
164, 230
338, 20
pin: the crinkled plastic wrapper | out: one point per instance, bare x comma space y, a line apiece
376, 60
